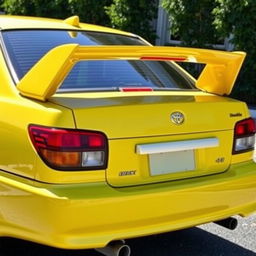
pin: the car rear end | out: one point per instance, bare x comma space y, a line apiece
148, 151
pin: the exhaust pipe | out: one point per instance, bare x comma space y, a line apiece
229, 223
115, 248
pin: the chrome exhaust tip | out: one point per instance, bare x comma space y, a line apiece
115, 248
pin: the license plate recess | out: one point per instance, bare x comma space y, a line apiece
171, 162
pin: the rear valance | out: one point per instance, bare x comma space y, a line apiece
218, 77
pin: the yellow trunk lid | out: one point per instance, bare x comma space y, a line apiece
127, 115
146, 146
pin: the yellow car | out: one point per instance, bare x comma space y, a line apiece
105, 137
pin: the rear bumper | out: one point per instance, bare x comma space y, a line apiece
91, 215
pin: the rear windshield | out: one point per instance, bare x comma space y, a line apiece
26, 47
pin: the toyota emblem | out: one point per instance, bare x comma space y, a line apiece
177, 118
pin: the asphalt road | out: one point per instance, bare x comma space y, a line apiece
205, 240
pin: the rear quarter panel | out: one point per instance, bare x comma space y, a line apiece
17, 154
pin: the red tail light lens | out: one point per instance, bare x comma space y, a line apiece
245, 127
244, 136
67, 149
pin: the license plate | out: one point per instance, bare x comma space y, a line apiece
171, 162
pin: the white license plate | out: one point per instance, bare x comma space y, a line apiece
171, 162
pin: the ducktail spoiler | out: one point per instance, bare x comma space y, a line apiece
45, 77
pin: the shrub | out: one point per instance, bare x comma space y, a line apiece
134, 16
90, 11
43, 8
192, 21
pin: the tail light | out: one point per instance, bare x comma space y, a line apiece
244, 137
68, 149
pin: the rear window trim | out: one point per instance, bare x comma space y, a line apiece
8, 61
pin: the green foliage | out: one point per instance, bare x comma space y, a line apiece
237, 17
192, 21
88, 10
43, 8
135, 16
131, 15
91, 11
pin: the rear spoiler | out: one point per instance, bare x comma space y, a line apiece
45, 77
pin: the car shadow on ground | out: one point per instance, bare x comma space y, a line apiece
188, 242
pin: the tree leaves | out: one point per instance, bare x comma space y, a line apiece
88, 10
192, 21
134, 16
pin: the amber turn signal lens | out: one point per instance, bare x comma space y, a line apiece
65, 159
